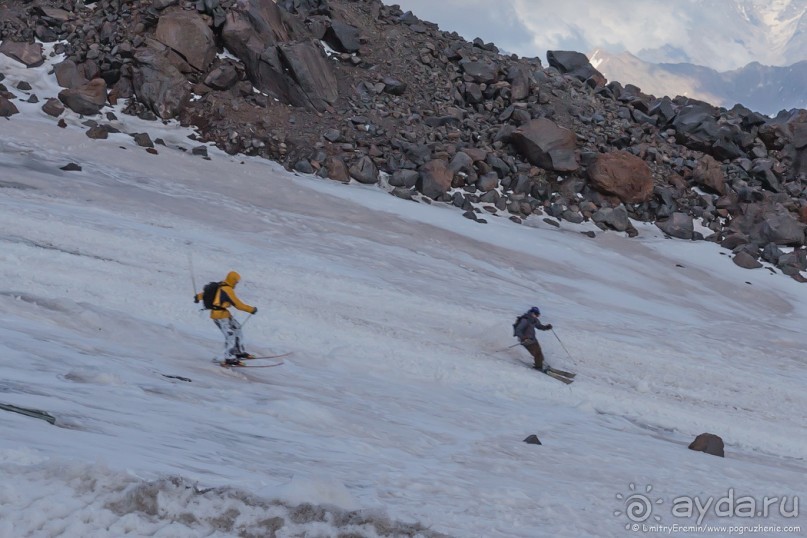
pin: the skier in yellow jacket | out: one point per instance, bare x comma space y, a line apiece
225, 298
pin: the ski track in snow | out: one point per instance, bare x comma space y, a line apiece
402, 402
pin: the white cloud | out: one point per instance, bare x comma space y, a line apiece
725, 34
619, 24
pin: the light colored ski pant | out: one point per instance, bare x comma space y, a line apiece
232, 336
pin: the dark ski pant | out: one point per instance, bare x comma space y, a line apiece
232, 336
535, 350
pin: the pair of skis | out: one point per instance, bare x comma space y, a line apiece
245, 365
560, 375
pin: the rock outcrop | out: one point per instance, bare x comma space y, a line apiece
361, 90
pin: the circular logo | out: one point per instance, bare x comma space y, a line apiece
637, 507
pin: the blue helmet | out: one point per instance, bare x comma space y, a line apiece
535, 310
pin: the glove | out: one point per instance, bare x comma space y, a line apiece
255, 310
527, 341
196, 299
548, 327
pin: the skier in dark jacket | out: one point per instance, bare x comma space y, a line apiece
525, 332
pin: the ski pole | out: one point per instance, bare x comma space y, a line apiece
193, 277
561, 344
249, 317
508, 347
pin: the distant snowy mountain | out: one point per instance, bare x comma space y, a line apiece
731, 34
766, 89
738, 39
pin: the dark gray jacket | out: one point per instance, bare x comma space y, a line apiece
525, 328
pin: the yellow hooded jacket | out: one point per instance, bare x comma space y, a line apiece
226, 297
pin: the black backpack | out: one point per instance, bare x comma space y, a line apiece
515, 324
209, 295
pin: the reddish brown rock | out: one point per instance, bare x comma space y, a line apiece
86, 99
622, 174
29, 54
187, 33
435, 178
709, 173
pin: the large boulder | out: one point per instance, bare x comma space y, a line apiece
782, 228
709, 173
480, 72
575, 64
311, 70
186, 33
519, 83
159, 85
798, 138
696, 126
252, 36
86, 99
29, 54
222, 77
435, 178
68, 75
623, 175
342, 37
766, 222
543, 143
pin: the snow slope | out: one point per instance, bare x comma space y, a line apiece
402, 410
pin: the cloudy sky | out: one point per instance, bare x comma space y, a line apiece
722, 34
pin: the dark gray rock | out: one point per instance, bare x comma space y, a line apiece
746, 260
782, 228
159, 85
613, 218
708, 443
143, 140
404, 178
575, 64
309, 67
364, 171
393, 86
679, 225
480, 72
342, 37
222, 77
7, 108
545, 144
304, 167
532, 440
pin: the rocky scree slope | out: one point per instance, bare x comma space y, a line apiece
355, 89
